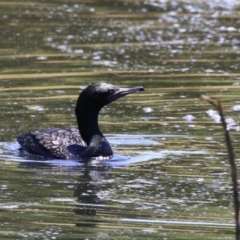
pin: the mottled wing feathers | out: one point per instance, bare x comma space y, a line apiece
53, 143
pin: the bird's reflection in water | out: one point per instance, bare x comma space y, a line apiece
87, 188
89, 179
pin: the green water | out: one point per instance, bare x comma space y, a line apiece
176, 183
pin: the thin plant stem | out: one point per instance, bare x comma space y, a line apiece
217, 104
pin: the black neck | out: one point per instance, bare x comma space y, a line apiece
87, 119
97, 145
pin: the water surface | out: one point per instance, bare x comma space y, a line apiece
174, 181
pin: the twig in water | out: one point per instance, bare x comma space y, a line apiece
217, 104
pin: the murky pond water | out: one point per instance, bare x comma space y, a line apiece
174, 182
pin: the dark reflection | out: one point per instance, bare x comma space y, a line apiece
87, 188
88, 185
36, 165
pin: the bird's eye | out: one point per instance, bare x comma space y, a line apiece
111, 91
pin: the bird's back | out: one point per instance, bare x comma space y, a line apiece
57, 143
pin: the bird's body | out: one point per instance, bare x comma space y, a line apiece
86, 142
59, 143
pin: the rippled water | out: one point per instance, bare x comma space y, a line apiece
170, 175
